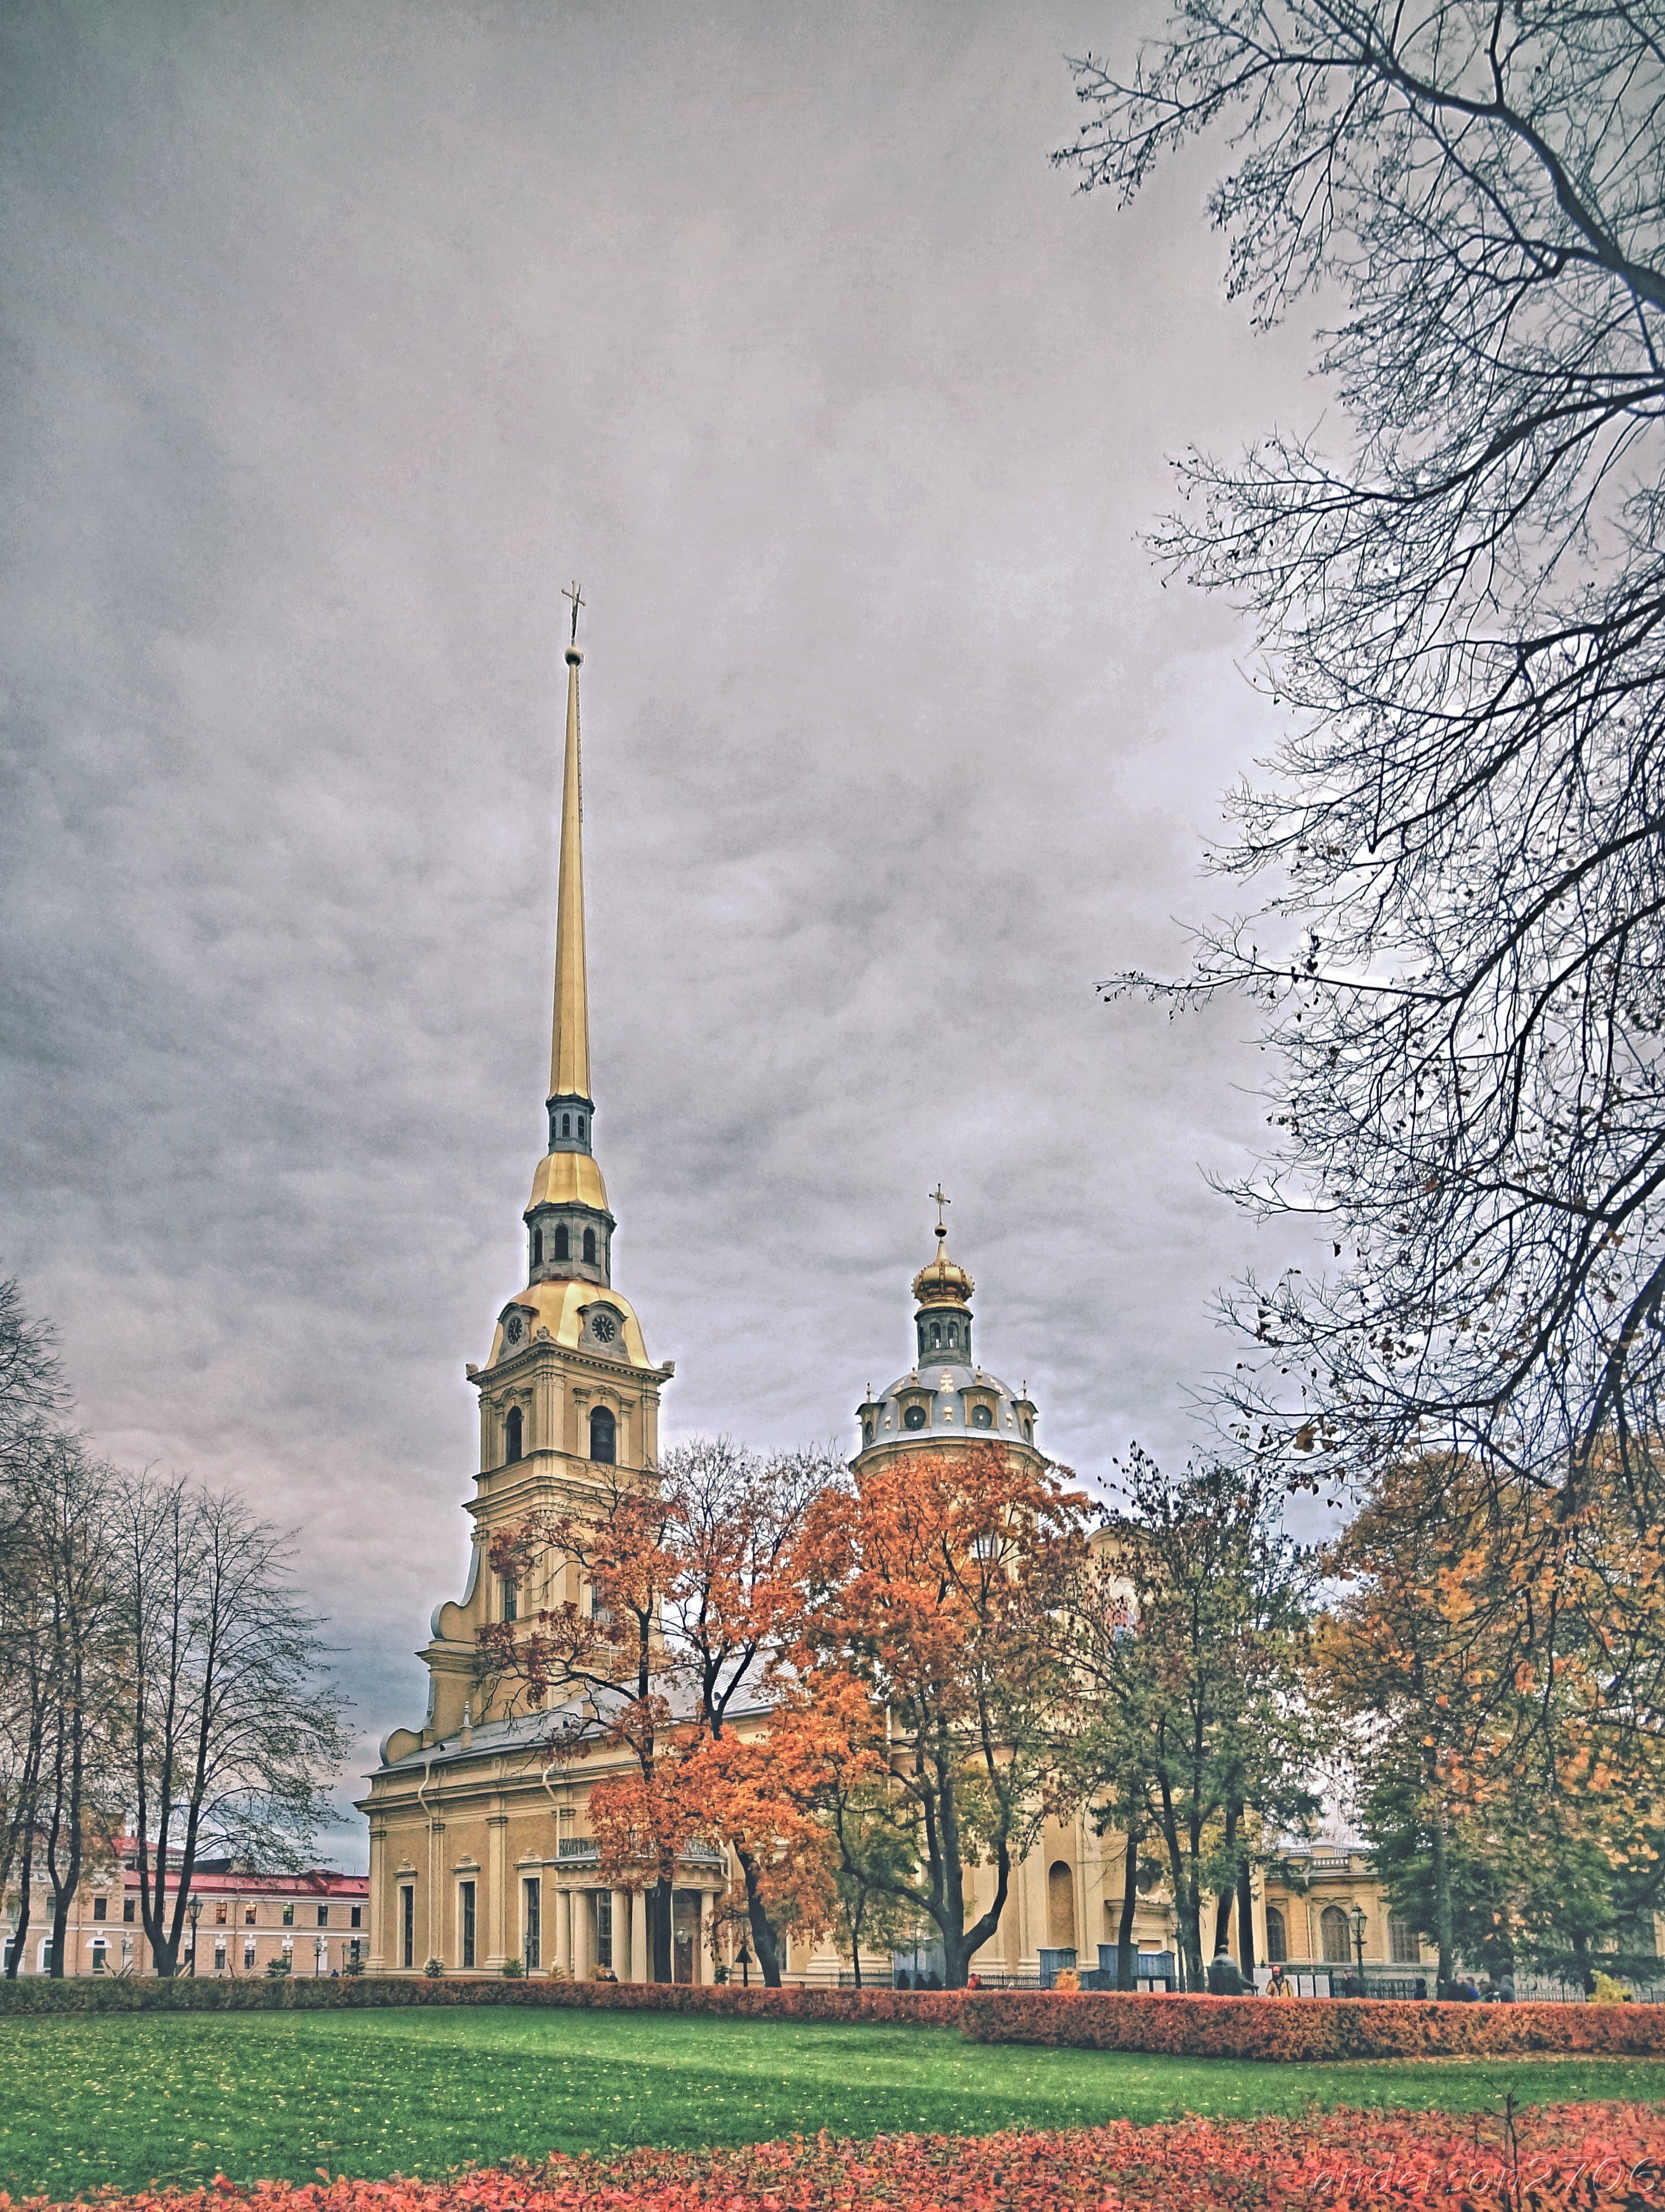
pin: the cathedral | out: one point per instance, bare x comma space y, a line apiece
480, 1855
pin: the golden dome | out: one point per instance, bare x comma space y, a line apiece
568, 1179
943, 1281
562, 1309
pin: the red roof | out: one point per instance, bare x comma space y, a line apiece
320, 1882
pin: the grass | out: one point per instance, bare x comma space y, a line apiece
176, 2098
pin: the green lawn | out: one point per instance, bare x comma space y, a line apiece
175, 2097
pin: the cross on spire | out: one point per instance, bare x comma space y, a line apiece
939, 1199
577, 600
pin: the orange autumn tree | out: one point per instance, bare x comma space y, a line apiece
931, 1588
598, 1656
688, 1603
756, 1754
772, 1792
1498, 1658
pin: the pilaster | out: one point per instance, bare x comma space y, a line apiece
497, 1891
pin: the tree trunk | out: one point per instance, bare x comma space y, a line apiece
1227, 1897
1586, 1971
1190, 1921
1443, 1925
25, 1874
661, 1928
65, 1880
765, 1942
1245, 1919
1126, 1963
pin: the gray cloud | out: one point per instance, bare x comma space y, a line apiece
335, 339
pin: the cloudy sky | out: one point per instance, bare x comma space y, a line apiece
336, 338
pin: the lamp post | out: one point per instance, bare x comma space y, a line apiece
194, 1913
1358, 1921
744, 1960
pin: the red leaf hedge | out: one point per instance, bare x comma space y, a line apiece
85, 1993
1305, 2027
1597, 2158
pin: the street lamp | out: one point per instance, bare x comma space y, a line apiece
1358, 1921
744, 1963
194, 1913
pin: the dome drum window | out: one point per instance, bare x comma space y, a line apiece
915, 1402
982, 1409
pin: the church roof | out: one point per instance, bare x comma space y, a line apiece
563, 1307
949, 1395
568, 1179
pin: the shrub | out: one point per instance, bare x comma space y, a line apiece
513, 1970
1602, 2158
84, 1994
1306, 2027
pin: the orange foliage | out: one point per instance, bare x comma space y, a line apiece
1602, 2158
932, 1584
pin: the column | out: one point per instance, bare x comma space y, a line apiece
378, 1918
622, 1959
642, 1957
700, 1932
501, 1943
583, 1938
563, 1931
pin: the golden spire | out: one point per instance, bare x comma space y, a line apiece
569, 1049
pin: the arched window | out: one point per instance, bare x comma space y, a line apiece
1277, 1942
514, 1430
562, 1248
981, 1418
935, 1335
868, 1432
589, 1248
1335, 1936
953, 1333
537, 1247
581, 1125
566, 1125
604, 1435
1060, 1906
914, 1418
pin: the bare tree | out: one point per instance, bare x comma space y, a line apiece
73, 1509
235, 1731
31, 1391
1461, 956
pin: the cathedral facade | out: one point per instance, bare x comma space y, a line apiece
480, 1857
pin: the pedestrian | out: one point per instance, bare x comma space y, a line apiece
1420, 1992
1505, 1992
1278, 1984
1225, 1977
1463, 1990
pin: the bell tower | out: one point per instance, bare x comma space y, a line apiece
567, 1392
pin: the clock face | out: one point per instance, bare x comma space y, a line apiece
514, 1328
604, 1328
